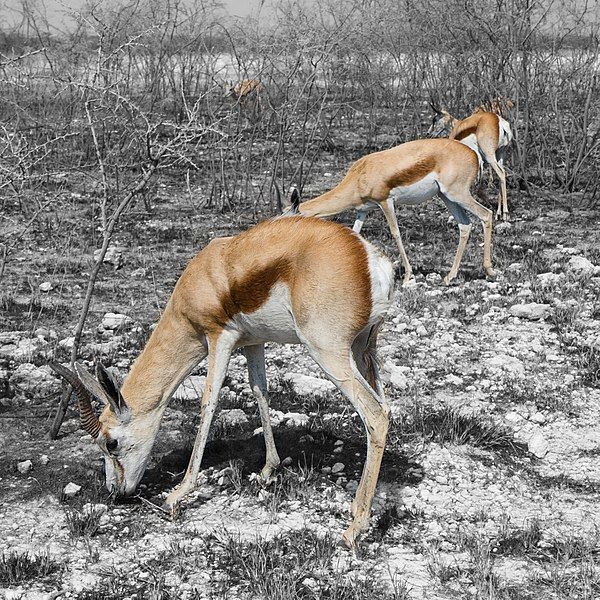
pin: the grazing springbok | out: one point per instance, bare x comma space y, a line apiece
489, 130
290, 280
410, 174
245, 90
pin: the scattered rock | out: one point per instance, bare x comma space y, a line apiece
113, 256
532, 311
190, 388
538, 445
287, 461
114, 321
46, 286
71, 489
44, 460
504, 362
30, 380
293, 419
234, 417
94, 509
549, 279
399, 376
579, 265
338, 468
24, 467
305, 385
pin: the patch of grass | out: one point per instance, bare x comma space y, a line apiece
296, 566
18, 567
447, 425
82, 523
589, 366
519, 542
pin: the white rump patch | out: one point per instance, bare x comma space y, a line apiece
505, 135
381, 271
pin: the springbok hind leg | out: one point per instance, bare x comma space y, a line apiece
466, 201
374, 412
390, 216
464, 227
258, 382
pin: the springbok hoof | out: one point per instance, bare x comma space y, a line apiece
490, 273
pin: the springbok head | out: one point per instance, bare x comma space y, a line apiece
125, 442
441, 122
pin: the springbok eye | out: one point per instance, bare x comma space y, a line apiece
111, 445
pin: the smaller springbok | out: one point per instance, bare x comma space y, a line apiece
245, 91
290, 280
412, 173
489, 130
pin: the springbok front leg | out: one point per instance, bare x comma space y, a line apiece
257, 376
390, 215
374, 412
219, 352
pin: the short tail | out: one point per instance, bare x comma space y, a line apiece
295, 201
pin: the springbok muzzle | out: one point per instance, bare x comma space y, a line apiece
87, 416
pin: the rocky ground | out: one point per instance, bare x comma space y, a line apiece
490, 486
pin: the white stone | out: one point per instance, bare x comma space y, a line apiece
191, 388
293, 419
538, 445
234, 417
33, 381
305, 385
46, 286
24, 466
549, 279
67, 342
113, 256
579, 265
114, 320
504, 362
44, 460
71, 489
338, 468
531, 311
399, 376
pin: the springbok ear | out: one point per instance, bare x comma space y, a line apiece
94, 388
110, 385
435, 109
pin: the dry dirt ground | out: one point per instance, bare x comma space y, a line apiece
490, 486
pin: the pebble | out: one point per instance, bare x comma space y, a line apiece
71, 489
24, 467
338, 468
538, 445
46, 286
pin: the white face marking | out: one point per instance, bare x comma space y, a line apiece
124, 468
273, 321
416, 193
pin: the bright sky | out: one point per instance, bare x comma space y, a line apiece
56, 9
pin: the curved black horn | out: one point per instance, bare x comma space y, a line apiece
87, 416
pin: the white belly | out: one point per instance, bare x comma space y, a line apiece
272, 322
418, 192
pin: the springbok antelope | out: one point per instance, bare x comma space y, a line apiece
245, 90
289, 280
411, 174
491, 133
